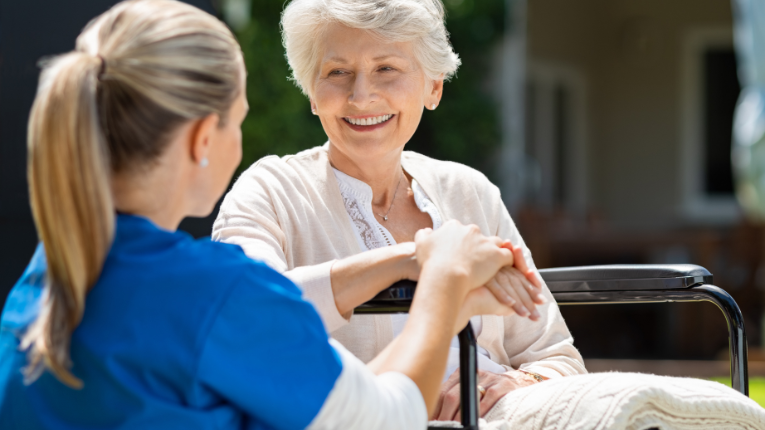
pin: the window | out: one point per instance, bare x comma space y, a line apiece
555, 138
710, 91
721, 90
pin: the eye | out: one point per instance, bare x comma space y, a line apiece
387, 69
336, 72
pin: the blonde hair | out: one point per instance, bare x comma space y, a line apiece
138, 72
417, 21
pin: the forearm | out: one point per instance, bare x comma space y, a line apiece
358, 278
421, 350
362, 400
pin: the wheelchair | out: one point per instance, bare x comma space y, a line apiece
608, 284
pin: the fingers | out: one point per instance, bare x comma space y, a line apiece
451, 404
534, 293
518, 280
422, 234
454, 379
521, 290
520, 260
500, 293
492, 396
506, 257
511, 287
505, 250
520, 264
482, 301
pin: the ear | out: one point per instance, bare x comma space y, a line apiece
435, 90
202, 137
313, 107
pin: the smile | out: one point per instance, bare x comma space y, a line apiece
369, 121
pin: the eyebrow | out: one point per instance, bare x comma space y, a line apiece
380, 58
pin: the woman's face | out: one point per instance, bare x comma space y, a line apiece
369, 94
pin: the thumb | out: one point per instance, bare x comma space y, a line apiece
422, 234
506, 257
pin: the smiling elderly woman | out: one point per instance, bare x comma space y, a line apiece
340, 219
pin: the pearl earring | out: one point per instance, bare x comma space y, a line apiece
204, 162
433, 106
313, 111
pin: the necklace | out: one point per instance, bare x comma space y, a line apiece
385, 217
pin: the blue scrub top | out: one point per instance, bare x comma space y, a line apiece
177, 334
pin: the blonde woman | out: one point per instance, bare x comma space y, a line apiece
339, 219
120, 321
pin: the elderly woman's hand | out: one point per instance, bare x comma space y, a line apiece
464, 251
518, 286
496, 385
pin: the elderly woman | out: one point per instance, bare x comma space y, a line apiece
340, 219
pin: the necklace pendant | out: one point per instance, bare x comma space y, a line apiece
385, 218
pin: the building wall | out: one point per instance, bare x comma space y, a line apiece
629, 53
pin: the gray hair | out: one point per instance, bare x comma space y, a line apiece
417, 21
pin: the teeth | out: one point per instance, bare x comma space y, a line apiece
369, 121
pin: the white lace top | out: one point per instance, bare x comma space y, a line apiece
370, 234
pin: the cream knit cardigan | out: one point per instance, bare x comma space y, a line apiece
288, 212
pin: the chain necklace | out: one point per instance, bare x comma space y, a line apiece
385, 217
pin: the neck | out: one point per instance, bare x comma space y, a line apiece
150, 195
382, 174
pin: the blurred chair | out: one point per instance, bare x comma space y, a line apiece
612, 284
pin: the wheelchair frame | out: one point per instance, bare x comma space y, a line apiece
611, 284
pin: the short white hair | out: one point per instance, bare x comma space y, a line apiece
417, 21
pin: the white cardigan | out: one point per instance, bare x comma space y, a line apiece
288, 212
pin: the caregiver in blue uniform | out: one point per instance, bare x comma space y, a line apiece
121, 321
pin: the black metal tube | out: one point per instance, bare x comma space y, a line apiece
739, 370
739, 363
468, 378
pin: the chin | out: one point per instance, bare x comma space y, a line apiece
373, 147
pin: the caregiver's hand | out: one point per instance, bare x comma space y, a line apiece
480, 301
495, 384
456, 260
463, 251
518, 286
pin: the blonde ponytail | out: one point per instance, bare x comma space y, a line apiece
140, 70
71, 202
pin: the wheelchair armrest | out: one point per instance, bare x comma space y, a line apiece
621, 277
395, 299
624, 277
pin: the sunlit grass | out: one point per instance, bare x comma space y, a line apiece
756, 388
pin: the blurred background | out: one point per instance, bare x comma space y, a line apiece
607, 125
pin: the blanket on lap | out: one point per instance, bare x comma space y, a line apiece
629, 401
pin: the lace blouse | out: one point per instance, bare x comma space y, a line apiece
357, 196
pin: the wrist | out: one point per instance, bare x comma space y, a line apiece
454, 276
406, 261
532, 377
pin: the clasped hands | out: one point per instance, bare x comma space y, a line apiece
512, 288
502, 283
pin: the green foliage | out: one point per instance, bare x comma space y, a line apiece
756, 388
464, 128
280, 120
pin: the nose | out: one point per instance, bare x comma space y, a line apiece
363, 92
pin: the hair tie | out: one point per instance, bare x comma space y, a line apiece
102, 70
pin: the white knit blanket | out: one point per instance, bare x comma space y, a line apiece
630, 401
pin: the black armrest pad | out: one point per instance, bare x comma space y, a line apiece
398, 296
625, 277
